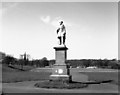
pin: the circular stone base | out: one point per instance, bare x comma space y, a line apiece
60, 85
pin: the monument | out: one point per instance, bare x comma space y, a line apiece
60, 77
61, 71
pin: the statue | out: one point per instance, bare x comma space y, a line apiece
61, 33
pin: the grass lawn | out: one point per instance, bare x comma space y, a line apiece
11, 68
103, 76
16, 75
24, 76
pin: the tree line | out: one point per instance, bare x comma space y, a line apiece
100, 63
10, 60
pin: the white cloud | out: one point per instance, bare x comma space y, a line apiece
45, 19
54, 22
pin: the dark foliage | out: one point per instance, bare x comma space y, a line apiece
105, 63
100, 63
9, 60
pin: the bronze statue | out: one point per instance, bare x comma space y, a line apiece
61, 33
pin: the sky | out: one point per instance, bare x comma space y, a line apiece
92, 29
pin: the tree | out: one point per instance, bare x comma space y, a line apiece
44, 62
86, 63
9, 60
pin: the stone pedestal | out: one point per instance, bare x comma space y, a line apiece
60, 70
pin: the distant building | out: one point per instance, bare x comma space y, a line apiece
2, 56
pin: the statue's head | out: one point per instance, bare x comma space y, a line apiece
61, 22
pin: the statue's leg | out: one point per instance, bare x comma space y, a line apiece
64, 40
60, 41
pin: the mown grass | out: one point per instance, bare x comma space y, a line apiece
12, 68
24, 76
103, 76
16, 75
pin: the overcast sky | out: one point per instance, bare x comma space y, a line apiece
92, 29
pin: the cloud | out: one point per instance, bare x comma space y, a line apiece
54, 22
45, 19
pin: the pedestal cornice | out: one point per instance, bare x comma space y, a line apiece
61, 48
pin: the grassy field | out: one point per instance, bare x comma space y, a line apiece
103, 76
16, 75
12, 68
24, 76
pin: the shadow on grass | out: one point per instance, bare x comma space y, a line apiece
16, 68
67, 85
60, 85
94, 82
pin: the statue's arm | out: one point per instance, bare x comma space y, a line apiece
64, 30
58, 30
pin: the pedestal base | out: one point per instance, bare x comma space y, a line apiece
61, 78
60, 72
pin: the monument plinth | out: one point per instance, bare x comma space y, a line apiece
60, 70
